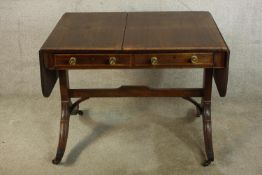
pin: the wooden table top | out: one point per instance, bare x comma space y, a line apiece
136, 32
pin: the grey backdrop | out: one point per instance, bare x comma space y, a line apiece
25, 24
128, 135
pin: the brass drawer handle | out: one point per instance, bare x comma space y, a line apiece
112, 60
154, 60
72, 61
194, 59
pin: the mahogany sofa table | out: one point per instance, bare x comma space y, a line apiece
136, 40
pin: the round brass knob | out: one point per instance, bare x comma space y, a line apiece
194, 59
154, 60
112, 60
72, 61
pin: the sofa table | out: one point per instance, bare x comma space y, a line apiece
135, 40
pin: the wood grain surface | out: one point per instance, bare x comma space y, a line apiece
172, 31
136, 31
88, 31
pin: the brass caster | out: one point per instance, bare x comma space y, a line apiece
56, 161
80, 112
58, 157
76, 111
206, 163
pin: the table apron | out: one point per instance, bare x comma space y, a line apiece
136, 61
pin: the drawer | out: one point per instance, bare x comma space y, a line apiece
175, 60
74, 61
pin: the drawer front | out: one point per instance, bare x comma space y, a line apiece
174, 60
74, 61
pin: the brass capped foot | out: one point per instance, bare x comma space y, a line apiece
206, 163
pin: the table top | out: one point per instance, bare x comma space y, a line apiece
135, 32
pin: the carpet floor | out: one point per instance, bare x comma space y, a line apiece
129, 136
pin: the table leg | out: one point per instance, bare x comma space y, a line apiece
68, 108
65, 115
206, 114
63, 134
